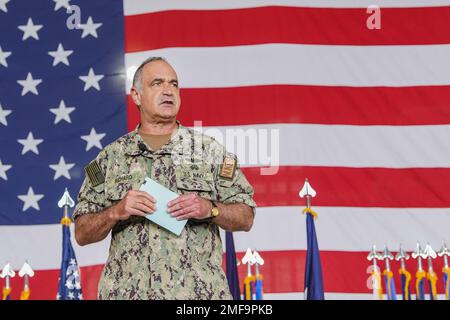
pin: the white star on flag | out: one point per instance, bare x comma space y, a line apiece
90, 28
71, 295
80, 296
3, 56
62, 112
3, 5
3, 169
60, 55
29, 84
91, 80
93, 139
61, 4
30, 30
3, 114
30, 143
62, 169
30, 200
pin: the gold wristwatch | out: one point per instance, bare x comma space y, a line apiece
215, 210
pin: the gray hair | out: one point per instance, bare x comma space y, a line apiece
137, 79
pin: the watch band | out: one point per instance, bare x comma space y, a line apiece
215, 210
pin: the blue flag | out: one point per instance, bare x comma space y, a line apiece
231, 267
69, 287
313, 269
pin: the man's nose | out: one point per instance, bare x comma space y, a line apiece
167, 89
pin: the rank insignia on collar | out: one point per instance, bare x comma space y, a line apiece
94, 173
227, 168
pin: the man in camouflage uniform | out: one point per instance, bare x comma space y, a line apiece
145, 260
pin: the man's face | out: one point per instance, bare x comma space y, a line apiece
159, 95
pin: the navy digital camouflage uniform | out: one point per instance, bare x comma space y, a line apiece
146, 261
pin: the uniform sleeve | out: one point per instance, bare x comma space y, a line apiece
236, 190
91, 199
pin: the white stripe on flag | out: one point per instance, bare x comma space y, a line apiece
41, 246
346, 228
323, 65
132, 7
337, 145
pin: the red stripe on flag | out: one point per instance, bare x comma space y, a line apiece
133, 117
197, 28
345, 272
44, 284
358, 187
283, 271
311, 104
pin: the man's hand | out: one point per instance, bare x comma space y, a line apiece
135, 203
190, 206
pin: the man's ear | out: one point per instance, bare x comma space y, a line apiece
136, 96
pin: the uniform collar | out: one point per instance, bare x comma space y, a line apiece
134, 140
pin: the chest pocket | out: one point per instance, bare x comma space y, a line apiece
116, 192
198, 182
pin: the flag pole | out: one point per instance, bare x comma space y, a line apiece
444, 252
66, 202
249, 260
431, 275
26, 272
376, 274
258, 276
7, 274
389, 276
420, 274
313, 266
69, 286
401, 256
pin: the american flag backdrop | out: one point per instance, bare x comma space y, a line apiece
363, 114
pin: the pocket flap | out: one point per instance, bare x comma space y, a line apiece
199, 179
225, 183
194, 184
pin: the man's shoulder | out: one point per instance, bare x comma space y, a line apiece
116, 148
121, 144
